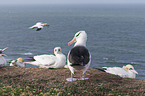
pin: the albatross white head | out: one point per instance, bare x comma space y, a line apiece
80, 38
130, 68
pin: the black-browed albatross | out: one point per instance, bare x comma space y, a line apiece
79, 57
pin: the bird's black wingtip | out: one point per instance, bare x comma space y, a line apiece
38, 29
103, 70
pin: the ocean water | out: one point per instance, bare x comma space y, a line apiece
116, 33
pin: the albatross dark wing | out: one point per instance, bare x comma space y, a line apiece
79, 56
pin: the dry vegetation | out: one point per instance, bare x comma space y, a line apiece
23, 81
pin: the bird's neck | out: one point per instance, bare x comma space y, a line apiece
60, 58
80, 43
58, 55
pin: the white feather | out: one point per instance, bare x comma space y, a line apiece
3, 61
45, 59
122, 72
50, 61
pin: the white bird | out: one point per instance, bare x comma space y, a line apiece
19, 62
127, 71
39, 26
50, 61
3, 61
79, 57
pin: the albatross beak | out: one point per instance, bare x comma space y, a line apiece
72, 41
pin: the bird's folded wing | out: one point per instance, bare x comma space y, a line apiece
33, 63
116, 70
21, 64
46, 60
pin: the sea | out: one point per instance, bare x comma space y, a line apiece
116, 32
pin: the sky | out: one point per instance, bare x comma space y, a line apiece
71, 1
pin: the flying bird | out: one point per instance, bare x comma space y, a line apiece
19, 62
127, 71
39, 26
50, 61
79, 57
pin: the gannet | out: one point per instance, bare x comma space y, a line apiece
19, 62
127, 71
50, 61
39, 26
79, 57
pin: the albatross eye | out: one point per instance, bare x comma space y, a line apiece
55, 49
58, 49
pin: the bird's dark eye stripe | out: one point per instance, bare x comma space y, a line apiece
78, 34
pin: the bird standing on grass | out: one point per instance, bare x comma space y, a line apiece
79, 57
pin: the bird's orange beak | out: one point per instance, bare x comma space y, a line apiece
72, 41
45, 24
